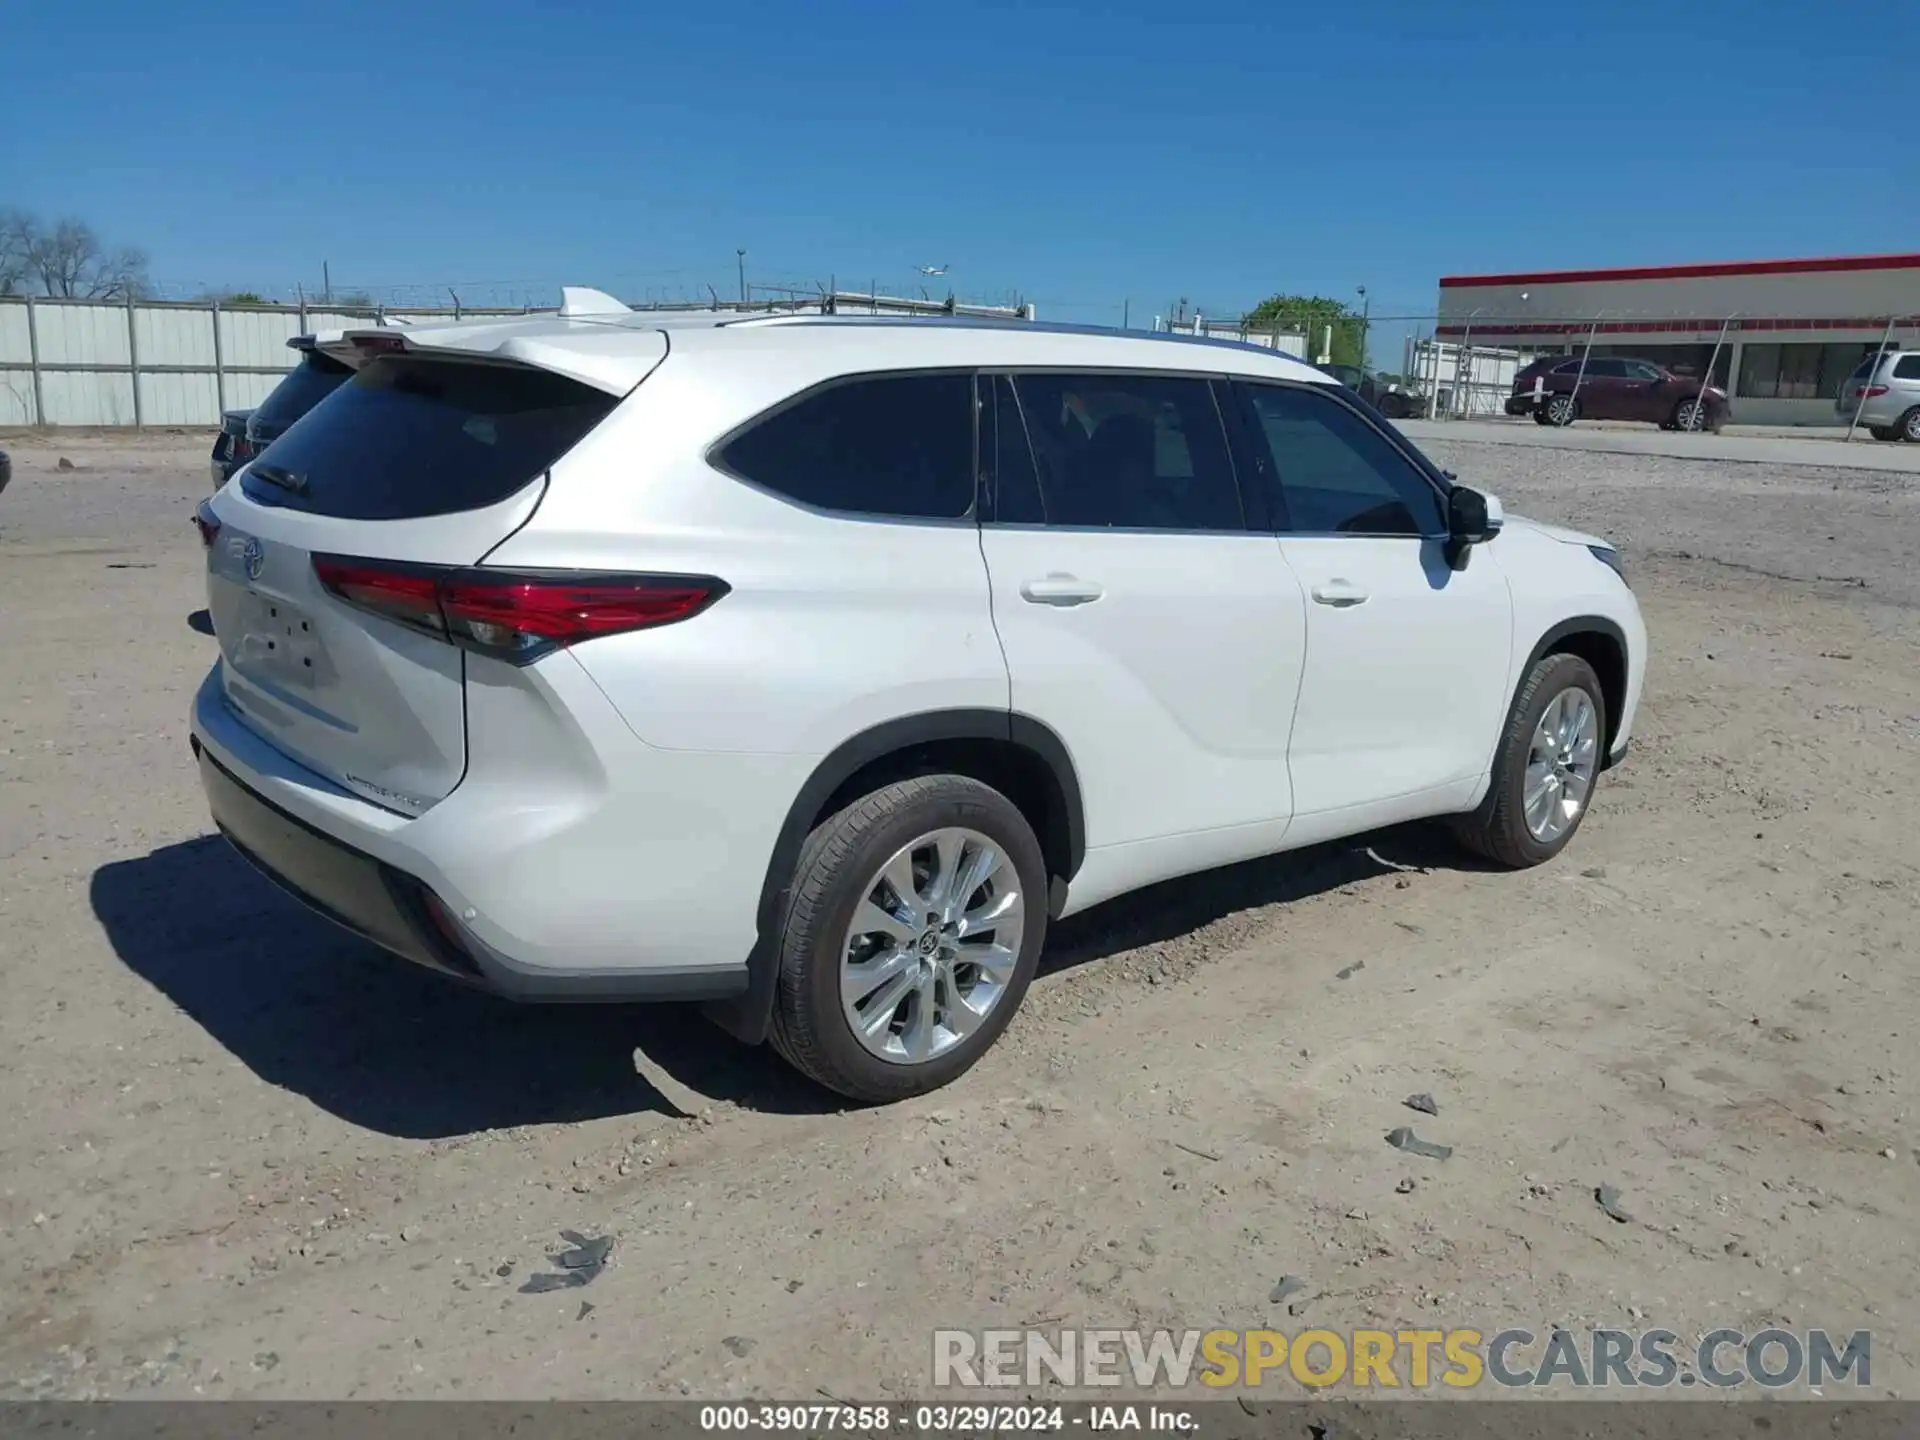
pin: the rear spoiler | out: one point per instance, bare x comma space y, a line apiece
342, 345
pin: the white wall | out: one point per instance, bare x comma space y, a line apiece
1816, 295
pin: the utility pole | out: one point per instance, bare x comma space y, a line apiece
741, 257
1366, 313
326, 281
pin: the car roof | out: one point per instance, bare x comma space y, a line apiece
614, 352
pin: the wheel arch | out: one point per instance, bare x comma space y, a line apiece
1603, 645
1017, 754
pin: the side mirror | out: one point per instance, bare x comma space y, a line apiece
1472, 519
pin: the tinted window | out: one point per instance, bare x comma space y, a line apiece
409, 437
1133, 451
1568, 367
1907, 367
306, 385
1607, 369
1641, 370
890, 445
1337, 474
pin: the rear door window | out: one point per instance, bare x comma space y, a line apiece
899, 446
409, 437
1907, 367
1136, 452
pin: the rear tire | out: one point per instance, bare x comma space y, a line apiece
1910, 426
842, 868
1500, 828
1540, 417
1562, 410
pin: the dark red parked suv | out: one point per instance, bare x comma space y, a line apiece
1615, 389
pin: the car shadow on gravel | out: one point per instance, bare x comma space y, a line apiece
396, 1049
1175, 908
387, 1045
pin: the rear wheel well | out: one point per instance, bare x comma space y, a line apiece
1019, 773
1608, 657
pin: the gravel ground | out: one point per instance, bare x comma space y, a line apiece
241, 1155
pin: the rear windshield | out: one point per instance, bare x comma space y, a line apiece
409, 437
306, 385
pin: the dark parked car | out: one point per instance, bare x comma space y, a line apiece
1389, 400
6, 470
1555, 392
245, 433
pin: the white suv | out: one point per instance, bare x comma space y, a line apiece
808, 667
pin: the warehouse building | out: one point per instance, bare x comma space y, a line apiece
1788, 332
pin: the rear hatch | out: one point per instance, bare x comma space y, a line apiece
324, 560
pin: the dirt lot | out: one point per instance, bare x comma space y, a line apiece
242, 1155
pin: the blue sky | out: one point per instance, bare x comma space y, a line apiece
1082, 155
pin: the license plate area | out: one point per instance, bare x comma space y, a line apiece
277, 642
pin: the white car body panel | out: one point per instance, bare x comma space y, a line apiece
616, 809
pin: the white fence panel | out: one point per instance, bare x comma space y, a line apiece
173, 336
82, 334
16, 398
14, 345
257, 339
82, 397
176, 399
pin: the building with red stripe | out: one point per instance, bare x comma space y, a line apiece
1789, 332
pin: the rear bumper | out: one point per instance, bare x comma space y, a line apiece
1520, 404
390, 897
1879, 411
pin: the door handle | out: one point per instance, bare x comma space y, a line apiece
1338, 593
1061, 590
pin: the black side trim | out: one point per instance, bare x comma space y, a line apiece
1579, 625
747, 1017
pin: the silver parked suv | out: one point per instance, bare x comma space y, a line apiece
1891, 409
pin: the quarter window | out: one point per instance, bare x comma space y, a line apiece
1337, 474
1907, 367
1140, 452
893, 445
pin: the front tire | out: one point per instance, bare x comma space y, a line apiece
917, 917
1545, 769
1910, 426
1883, 432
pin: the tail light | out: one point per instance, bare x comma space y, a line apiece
207, 523
1873, 391
516, 616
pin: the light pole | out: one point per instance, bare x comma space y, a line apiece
741, 257
1366, 312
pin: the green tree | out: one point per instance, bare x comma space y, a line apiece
1311, 315
246, 297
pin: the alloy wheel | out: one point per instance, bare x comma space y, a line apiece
1561, 761
932, 945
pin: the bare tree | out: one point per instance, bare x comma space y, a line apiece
16, 237
70, 262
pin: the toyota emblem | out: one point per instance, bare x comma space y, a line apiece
254, 557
